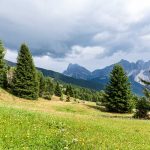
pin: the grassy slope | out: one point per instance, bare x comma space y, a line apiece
59, 125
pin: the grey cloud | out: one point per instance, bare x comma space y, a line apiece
53, 27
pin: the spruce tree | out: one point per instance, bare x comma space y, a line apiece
58, 91
2, 66
118, 91
41, 80
25, 81
48, 88
69, 90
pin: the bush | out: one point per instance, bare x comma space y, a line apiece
68, 98
143, 107
98, 103
47, 96
62, 97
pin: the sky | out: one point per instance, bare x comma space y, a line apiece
91, 33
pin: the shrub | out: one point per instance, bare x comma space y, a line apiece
142, 109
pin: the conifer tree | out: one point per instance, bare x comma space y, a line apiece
41, 80
58, 91
25, 81
2, 66
118, 91
48, 89
69, 90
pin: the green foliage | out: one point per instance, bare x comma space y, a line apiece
68, 97
46, 87
83, 93
69, 91
118, 92
58, 91
3, 78
143, 105
41, 82
25, 81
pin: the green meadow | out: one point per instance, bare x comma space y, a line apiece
57, 125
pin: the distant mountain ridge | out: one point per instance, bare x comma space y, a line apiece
133, 70
78, 72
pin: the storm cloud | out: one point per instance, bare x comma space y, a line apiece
77, 31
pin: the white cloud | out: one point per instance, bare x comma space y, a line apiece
11, 55
85, 52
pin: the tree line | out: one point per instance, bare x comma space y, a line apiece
25, 81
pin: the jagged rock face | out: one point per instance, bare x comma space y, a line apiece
137, 70
78, 72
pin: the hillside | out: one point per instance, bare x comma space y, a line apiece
69, 80
57, 125
79, 76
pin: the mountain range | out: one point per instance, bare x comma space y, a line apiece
139, 69
97, 79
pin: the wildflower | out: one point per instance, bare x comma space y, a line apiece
66, 148
74, 140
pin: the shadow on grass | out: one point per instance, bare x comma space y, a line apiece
109, 114
101, 108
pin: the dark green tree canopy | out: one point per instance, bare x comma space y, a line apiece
143, 105
58, 91
69, 91
25, 82
118, 91
2, 66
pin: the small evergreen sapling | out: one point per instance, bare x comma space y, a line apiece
68, 97
58, 91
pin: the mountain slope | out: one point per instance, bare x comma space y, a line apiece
133, 70
70, 80
77, 72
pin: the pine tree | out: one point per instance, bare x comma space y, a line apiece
118, 91
48, 89
69, 90
58, 91
25, 81
2, 66
41, 80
